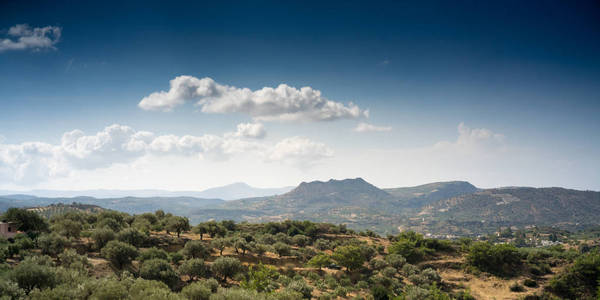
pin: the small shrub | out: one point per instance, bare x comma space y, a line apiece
260, 278
211, 283
235, 294
322, 244
153, 253
395, 260
143, 289
432, 276
362, 285
70, 259
377, 264
109, 288
11, 290
300, 240
415, 293
301, 287
530, 283
517, 288
196, 291
176, 257
409, 269
389, 272
282, 249
380, 293
341, 291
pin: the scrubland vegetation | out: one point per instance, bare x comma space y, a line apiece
113, 255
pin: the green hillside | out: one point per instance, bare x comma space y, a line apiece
425, 194
516, 206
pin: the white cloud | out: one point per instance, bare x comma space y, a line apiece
22, 37
366, 127
473, 140
30, 162
300, 152
283, 103
34, 162
251, 130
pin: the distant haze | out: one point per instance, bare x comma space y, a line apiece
232, 191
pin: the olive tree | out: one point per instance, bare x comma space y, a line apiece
34, 272
119, 254
153, 253
282, 249
349, 256
159, 269
220, 244
52, 244
132, 236
178, 224
195, 249
67, 227
201, 229
226, 267
102, 236
319, 261
194, 268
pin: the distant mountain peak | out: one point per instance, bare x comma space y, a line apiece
238, 184
357, 180
344, 190
239, 190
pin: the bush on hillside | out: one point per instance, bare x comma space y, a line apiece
502, 259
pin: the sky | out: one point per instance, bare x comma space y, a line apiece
186, 96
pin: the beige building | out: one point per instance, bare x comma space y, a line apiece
8, 230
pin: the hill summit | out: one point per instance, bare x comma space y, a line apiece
421, 195
348, 192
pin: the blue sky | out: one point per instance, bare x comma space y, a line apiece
522, 79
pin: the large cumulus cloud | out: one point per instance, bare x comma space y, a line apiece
282, 103
33, 162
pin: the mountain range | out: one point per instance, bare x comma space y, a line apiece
232, 191
449, 208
